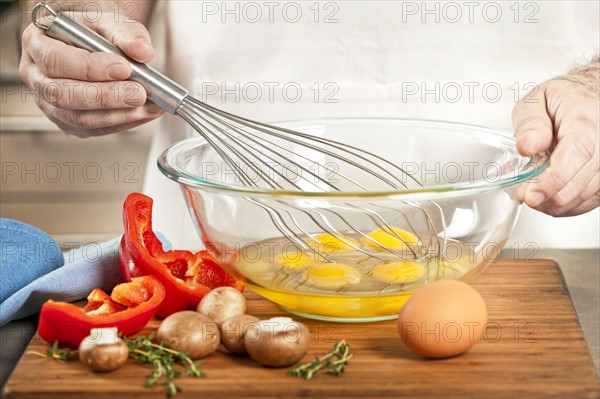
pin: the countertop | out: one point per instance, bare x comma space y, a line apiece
581, 270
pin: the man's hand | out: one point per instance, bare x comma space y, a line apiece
562, 115
87, 94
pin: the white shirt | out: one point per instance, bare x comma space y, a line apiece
457, 61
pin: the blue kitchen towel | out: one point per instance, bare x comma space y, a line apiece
26, 254
29, 278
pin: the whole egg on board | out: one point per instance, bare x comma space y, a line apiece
443, 319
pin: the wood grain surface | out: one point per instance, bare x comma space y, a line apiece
533, 348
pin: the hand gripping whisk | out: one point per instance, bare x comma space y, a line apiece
269, 157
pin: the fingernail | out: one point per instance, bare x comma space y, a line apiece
523, 143
152, 108
118, 71
535, 198
133, 96
143, 46
147, 46
523, 139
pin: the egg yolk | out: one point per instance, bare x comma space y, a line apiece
395, 239
398, 272
329, 244
332, 275
294, 261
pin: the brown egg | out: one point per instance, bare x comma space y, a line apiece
443, 319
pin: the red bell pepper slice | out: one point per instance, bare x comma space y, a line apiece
186, 276
99, 303
129, 308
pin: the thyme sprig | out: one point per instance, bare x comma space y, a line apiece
143, 350
333, 362
163, 361
56, 353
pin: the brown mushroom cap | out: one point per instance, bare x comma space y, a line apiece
233, 331
103, 354
222, 303
277, 342
189, 332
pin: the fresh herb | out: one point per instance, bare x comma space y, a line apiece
55, 353
163, 361
333, 362
143, 350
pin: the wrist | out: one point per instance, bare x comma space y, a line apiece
586, 76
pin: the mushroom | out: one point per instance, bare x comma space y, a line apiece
189, 332
103, 350
277, 342
233, 331
222, 303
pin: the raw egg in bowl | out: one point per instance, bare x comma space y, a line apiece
358, 255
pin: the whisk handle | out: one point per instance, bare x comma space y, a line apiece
160, 89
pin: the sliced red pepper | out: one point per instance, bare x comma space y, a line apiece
100, 303
186, 276
129, 308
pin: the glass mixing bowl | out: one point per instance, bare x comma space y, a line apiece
385, 244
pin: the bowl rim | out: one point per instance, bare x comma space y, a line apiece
536, 164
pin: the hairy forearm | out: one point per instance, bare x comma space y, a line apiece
586, 76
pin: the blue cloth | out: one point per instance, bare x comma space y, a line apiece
31, 271
29, 277
26, 254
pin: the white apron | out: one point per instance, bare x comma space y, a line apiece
458, 61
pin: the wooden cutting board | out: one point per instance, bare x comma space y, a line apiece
533, 348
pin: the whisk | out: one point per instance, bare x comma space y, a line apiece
268, 157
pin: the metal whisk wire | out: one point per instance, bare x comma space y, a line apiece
216, 125
241, 137
279, 158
